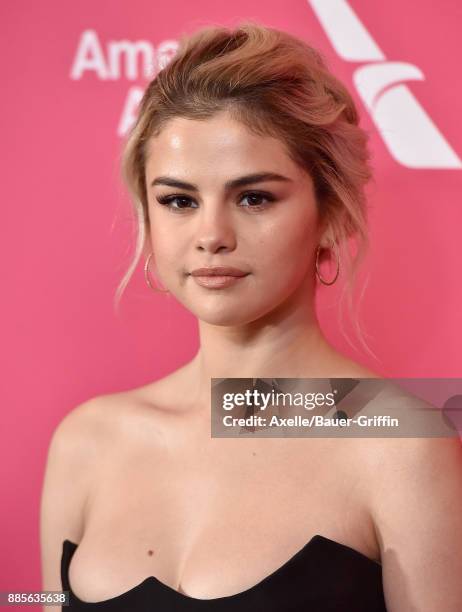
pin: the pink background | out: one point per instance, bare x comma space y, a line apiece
66, 240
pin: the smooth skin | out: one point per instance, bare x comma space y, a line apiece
137, 471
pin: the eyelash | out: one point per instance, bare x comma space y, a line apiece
167, 200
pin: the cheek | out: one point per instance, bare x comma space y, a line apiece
167, 257
289, 245
165, 244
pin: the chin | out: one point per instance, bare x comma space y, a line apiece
240, 314
227, 310
223, 315
223, 319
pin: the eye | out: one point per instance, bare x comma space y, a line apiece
168, 200
183, 202
252, 195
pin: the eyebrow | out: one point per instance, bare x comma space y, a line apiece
241, 181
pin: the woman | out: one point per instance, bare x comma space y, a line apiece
247, 160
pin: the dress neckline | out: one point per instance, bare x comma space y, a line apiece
69, 547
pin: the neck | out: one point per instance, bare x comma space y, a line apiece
286, 343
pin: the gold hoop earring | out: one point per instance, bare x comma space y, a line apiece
317, 267
148, 280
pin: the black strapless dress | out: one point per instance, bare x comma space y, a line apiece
323, 576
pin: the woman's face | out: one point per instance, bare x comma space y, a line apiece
266, 228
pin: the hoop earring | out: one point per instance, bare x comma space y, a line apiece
317, 267
146, 276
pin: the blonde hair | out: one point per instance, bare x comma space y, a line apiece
276, 85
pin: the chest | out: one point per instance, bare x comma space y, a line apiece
211, 517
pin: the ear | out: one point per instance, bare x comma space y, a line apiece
327, 236
325, 252
327, 243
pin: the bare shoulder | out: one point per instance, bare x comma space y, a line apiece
417, 510
348, 368
72, 461
83, 422
81, 447
415, 502
92, 427
74, 449
339, 365
81, 435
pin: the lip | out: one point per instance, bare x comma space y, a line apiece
219, 271
212, 281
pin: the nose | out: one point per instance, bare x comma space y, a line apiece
215, 231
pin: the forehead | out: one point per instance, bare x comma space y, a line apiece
219, 144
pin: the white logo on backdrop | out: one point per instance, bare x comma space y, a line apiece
408, 132
121, 59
